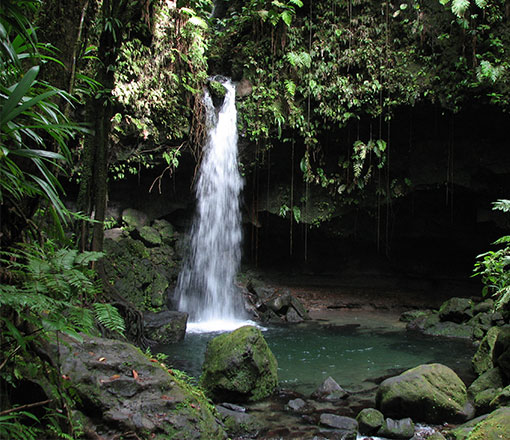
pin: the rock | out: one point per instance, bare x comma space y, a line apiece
484, 306
433, 436
165, 229
456, 310
300, 406
430, 393
140, 274
217, 91
501, 352
279, 302
165, 327
450, 330
369, 421
348, 427
462, 432
490, 379
114, 234
300, 309
134, 219
119, 389
239, 366
496, 426
483, 401
398, 429
501, 399
150, 235
482, 360
411, 315
329, 391
244, 88
292, 315
237, 422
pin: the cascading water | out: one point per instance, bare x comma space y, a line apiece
206, 284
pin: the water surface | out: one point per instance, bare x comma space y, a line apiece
357, 351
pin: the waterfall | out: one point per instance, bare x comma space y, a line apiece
205, 286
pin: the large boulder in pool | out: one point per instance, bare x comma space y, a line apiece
431, 393
239, 366
119, 390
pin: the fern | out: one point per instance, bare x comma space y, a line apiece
109, 317
459, 7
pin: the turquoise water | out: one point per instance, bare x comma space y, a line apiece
355, 354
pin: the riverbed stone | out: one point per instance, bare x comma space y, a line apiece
347, 427
397, 429
431, 393
239, 366
496, 426
369, 421
457, 310
483, 358
329, 390
411, 315
165, 327
238, 422
120, 390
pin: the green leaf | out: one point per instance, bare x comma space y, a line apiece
459, 7
287, 17
17, 94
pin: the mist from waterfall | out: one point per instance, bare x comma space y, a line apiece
205, 286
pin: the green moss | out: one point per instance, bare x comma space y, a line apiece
240, 363
495, 427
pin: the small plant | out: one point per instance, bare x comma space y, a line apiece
493, 266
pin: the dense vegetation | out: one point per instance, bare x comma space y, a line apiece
120, 91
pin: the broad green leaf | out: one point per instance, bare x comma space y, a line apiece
17, 94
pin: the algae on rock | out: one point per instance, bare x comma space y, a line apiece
239, 366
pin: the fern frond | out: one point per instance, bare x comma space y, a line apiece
459, 7
109, 317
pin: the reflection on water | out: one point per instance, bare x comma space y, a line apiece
355, 355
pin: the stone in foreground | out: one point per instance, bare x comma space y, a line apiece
120, 390
430, 393
239, 366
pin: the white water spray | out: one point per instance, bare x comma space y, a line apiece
206, 284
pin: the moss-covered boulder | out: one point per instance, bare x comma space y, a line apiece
482, 360
485, 389
369, 421
456, 310
431, 393
120, 390
494, 427
502, 398
239, 366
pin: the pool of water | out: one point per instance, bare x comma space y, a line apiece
355, 350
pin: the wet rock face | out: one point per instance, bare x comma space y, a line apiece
165, 327
119, 390
494, 427
239, 366
430, 393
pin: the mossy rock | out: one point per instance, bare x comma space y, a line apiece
501, 399
490, 379
239, 366
450, 330
134, 219
120, 390
482, 360
431, 393
456, 310
369, 421
411, 315
165, 229
150, 235
495, 427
